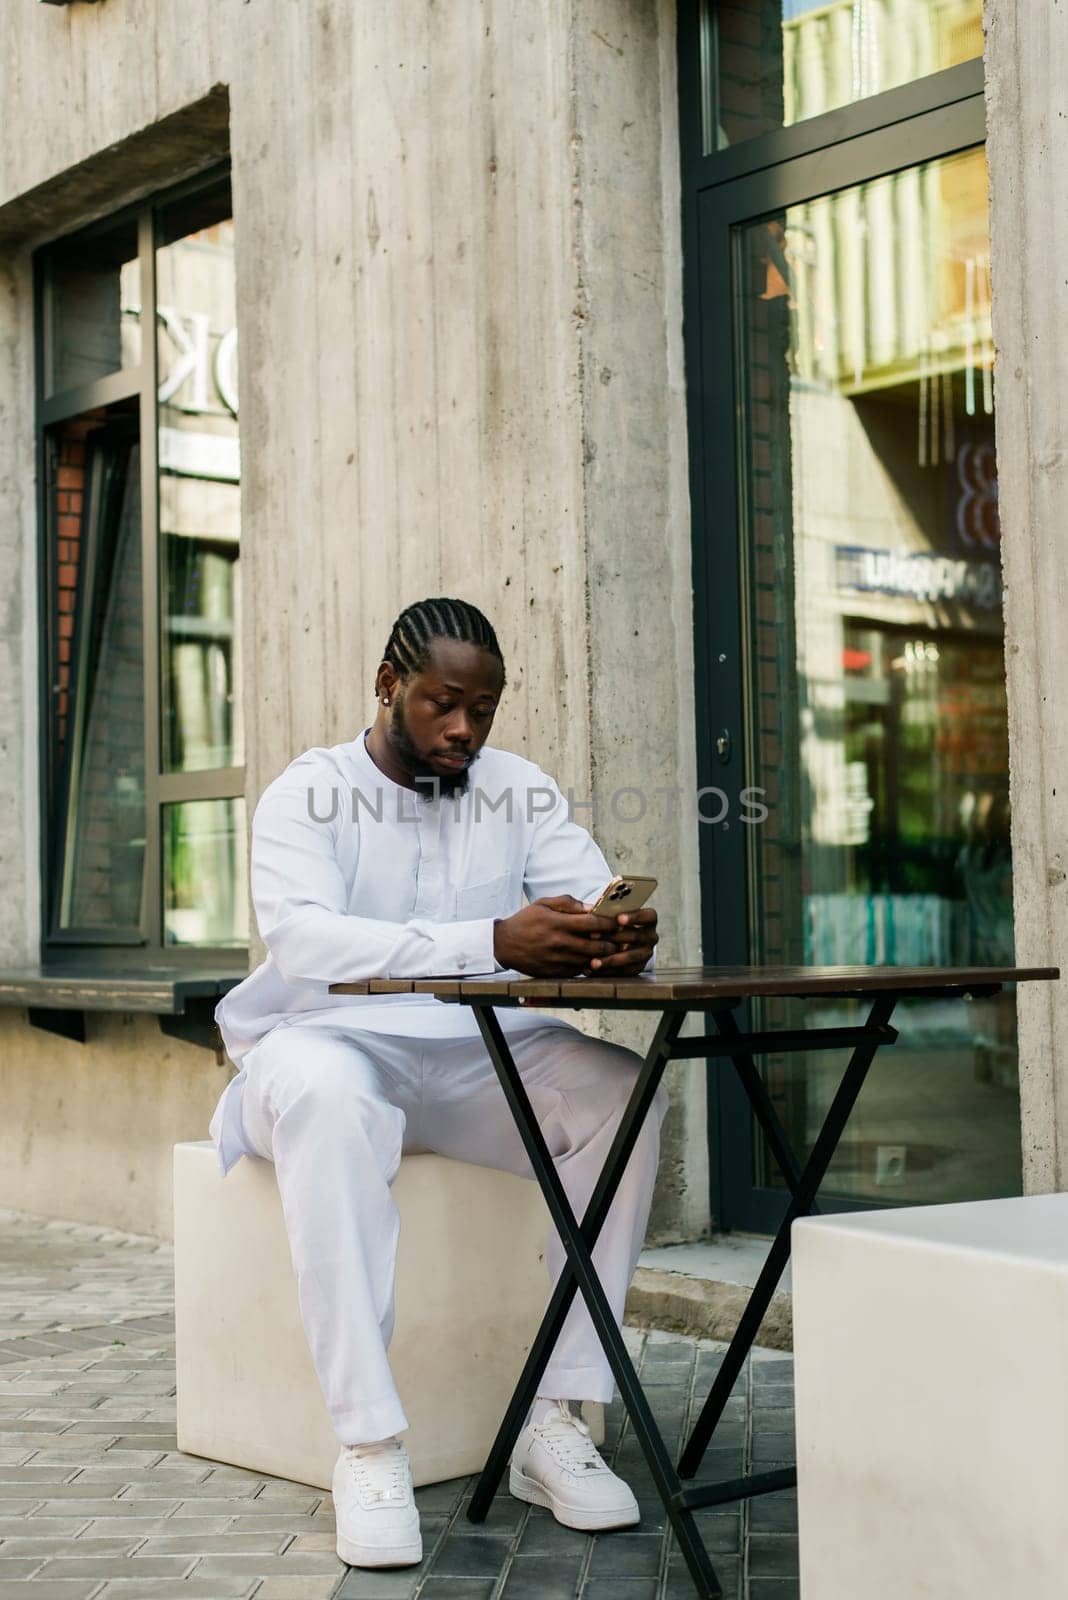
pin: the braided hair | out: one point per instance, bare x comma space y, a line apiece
408, 649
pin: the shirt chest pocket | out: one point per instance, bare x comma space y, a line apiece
491, 898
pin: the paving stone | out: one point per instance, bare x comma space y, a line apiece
367, 1585
90, 1566
103, 1508
290, 1564
225, 1542
17, 1567
456, 1589
539, 1577
144, 1527
170, 1589
620, 1589
772, 1555
14, 1527
304, 1588
626, 1555
49, 1589
463, 1555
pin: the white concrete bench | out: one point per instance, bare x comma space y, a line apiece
470, 1292
931, 1355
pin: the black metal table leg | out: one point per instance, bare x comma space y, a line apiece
878, 1032
583, 1273
564, 1290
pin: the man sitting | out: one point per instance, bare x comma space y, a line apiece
378, 859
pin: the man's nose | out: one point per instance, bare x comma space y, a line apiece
458, 730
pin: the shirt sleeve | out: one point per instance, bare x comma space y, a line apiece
300, 900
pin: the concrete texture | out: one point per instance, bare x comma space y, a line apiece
1026, 63
458, 265
931, 1448
702, 1289
96, 1501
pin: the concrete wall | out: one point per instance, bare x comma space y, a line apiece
459, 316
1027, 67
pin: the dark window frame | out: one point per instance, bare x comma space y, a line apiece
102, 949
722, 191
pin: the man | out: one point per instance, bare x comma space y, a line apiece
377, 858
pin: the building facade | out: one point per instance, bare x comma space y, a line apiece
668, 336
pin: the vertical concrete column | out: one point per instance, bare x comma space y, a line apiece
1026, 67
635, 524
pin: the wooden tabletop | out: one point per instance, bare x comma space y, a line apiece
704, 983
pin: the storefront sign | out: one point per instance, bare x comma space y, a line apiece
918, 575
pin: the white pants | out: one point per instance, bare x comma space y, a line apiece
335, 1108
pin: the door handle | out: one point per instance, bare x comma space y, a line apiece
723, 745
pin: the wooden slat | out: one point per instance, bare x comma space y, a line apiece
696, 983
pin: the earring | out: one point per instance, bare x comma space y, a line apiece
385, 699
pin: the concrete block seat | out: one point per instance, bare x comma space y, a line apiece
931, 1357
470, 1292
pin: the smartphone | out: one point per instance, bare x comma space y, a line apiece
623, 894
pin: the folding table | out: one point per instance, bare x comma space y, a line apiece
717, 992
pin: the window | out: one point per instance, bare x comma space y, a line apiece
139, 467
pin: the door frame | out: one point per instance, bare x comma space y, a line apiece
722, 191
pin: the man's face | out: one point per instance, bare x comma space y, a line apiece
446, 710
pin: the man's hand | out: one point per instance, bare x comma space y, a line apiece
635, 938
552, 938
559, 938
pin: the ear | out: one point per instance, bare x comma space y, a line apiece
386, 683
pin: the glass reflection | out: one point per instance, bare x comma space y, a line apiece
200, 472
778, 62
878, 709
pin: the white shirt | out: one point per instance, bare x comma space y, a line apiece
354, 876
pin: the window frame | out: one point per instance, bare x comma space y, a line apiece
116, 950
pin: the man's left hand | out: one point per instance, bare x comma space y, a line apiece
634, 938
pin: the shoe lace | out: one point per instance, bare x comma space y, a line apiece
380, 1471
567, 1436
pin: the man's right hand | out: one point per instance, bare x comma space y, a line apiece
553, 938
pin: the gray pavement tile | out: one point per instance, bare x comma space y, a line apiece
773, 1371
227, 1541
620, 1589
294, 1505
773, 1555
626, 1555
457, 1588
774, 1512
102, 1508
90, 1566
265, 1524
170, 1589
359, 1584
301, 1588
146, 1487
12, 1527
543, 1535
263, 1566
441, 1497
48, 1549
17, 1567
464, 1555
774, 1589
51, 1589
542, 1578
678, 1585
144, 1527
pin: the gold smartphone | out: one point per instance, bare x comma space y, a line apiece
623, 894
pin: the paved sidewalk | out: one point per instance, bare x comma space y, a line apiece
97, 1503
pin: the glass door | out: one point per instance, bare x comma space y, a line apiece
853, 650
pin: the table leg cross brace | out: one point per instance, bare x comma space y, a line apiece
579, 1273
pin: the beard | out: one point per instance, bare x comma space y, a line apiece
430, 783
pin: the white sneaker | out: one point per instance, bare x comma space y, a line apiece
556, 1464
374, 1504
